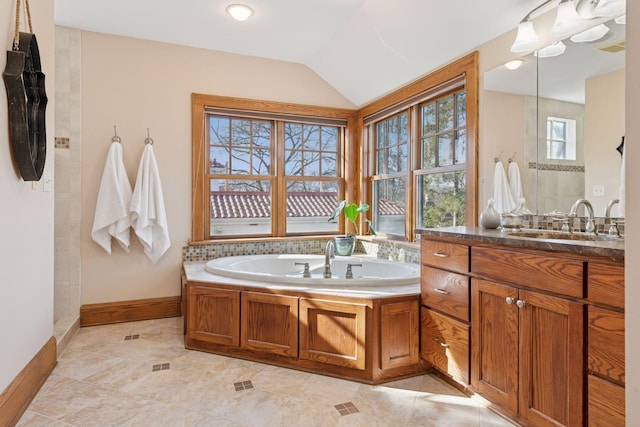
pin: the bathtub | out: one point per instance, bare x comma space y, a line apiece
282, 269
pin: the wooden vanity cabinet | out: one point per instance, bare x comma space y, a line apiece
605, 354
444, 312
528, 345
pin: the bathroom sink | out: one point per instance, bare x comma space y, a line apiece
563, 235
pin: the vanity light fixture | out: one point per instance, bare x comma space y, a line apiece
591, 35
239, 12
571, 17
567, 20
621, 20
554, 49
514, 65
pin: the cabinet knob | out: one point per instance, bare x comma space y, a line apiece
509, 300
520, 303
441, 343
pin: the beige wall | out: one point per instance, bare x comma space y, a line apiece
135, 85
604, 125
26, 220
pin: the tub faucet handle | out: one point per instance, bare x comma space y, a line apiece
306, 273
349, 273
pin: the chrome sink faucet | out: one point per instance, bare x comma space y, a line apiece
329, 254
591, 226
607, 212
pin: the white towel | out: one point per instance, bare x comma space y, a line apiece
148, 217
621, 204
515, 184
112, 217
501, 191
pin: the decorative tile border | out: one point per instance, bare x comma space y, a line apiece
551, 222
558, 168
61, 142
209, 251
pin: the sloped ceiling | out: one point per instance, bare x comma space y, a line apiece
363, 48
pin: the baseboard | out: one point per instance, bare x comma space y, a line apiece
15, 399
129, 311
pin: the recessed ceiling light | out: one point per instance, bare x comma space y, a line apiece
515, 64
239, 12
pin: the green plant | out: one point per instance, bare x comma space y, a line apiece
351, 212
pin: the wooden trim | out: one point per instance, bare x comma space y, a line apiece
129, 311
15, 399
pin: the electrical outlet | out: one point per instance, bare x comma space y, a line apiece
597, 190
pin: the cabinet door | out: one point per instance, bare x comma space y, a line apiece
551, 360
270, 323
214, 315
494, 354
399, 334
333, 332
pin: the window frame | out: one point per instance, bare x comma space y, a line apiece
464, 70
347, 163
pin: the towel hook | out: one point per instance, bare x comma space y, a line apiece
148, 140
512, 157
115, 138
497, 158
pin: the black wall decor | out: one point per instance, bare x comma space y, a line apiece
27, 99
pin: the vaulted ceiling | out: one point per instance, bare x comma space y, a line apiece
363, 48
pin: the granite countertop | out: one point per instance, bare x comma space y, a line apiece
603, 248
195, 271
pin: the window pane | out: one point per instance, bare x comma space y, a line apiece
240, 161
445, 149
240, 207
558, 130
293, 163
442, 199
392, 159
240, 132
218, 159
311, 137
309, 206
261, 161
402, 157
292, 136
461, 109
219, 131
461, 147
445, 114
261, 134
429, 152
311, 163
429, 119
381, 135
329, 165
388, 206
555, 150
329, 139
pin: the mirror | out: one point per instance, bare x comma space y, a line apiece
576, 100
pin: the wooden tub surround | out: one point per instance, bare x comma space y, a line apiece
360, 336
536, 327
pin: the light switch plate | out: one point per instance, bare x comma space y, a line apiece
597, 190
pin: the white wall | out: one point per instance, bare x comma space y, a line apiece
135, 85
632, 245
26, 220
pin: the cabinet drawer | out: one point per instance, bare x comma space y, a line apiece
445, 344
605, 284
606, 403
547, 273
445, 291
449, 256
606, 343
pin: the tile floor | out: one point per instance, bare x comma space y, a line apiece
139, 374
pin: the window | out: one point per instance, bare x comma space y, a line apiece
441, 179
389, 184
269, 171
561, 139
422, 166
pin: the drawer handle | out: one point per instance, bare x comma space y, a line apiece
440, 255
441, 291
445, 345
